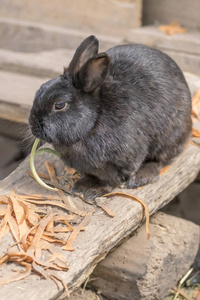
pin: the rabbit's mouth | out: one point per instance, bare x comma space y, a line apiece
39, 132
35, 131
40, 135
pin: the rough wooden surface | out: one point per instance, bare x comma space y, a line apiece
102, 233
40, 64
140, 268
100, 16
28, 36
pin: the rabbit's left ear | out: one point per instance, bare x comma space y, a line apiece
93, 72
87, 49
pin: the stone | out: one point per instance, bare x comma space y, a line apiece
148, 269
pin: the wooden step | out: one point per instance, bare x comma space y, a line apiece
100, 16
183, 48
16, 95
42, 64
27, 36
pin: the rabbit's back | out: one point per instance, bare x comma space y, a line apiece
143, 59
156, 93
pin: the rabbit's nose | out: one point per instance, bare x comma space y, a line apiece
36, 125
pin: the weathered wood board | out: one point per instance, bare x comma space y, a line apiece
40, 64
30, 36
188, 42
183, 48
17, 94
101, 16
140, 268
103, 232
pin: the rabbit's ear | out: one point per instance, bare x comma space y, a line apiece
87, 49
93, 72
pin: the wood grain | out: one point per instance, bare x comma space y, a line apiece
103, 232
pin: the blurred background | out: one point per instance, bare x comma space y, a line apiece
39, 37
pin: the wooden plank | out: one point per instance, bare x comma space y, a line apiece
102, 233
27, 36
19, 89
17, 94
40, 64
137, 269
183, 11
100, 16
183, 48
187, 62
188, 42
14, 112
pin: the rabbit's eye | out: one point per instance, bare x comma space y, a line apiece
60, 105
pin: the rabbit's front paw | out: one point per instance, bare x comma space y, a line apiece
82, 185
90, 188
97, 191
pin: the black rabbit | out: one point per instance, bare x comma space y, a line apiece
117, 116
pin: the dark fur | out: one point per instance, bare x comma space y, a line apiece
128, 115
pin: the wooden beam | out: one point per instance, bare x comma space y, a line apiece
103, 232
17, 94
